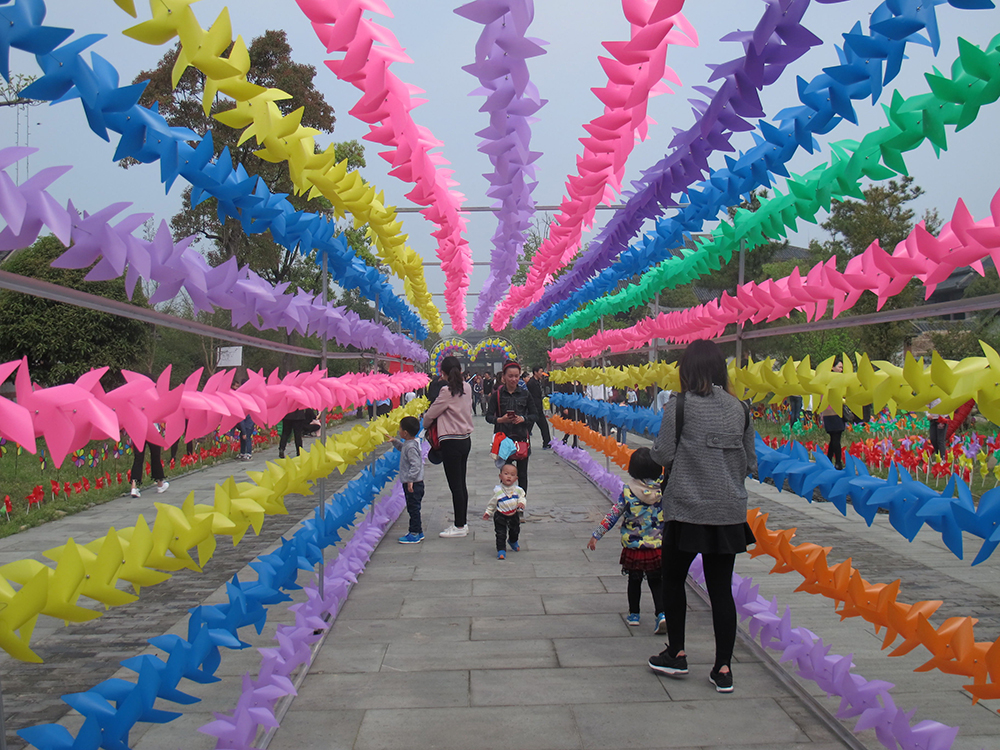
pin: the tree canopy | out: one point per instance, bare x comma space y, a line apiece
271, 66
62, 341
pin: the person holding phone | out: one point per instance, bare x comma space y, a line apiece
511, 410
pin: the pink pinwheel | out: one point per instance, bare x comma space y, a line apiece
386, 106
66, 415
921, 255
15, 420
634, 74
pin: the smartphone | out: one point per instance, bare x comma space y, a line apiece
510, 414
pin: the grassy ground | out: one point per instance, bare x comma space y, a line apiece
20, 474
978, 486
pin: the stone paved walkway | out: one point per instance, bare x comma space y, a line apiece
440, 645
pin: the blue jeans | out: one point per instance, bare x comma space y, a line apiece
413, 501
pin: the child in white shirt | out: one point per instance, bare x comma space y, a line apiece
508, 498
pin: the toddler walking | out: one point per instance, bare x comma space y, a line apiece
641, 509
508, 498
411, 474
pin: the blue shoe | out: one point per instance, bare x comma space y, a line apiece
501, 555
411, 538
661, 624
515, 546
633, 619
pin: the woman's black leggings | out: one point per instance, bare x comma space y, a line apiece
138, 461
635, 589
834, 452
719, 580
455, 458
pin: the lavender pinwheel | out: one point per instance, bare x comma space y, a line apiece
255, 706
511, 101
113, 250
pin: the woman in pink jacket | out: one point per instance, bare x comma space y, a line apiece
452, 410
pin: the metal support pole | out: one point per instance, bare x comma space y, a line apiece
378, 319
322, 436
604, 390
739, 326
654, 353
3, 724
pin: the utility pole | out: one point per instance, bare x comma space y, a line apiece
739, 325
322, 437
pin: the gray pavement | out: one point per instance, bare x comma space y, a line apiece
441, 645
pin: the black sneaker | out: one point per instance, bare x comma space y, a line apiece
664, 663
723, 681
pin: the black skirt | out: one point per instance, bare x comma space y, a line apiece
698, 538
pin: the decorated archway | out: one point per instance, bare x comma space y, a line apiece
451, 347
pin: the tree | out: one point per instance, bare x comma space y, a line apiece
537, 234
10, 91
727, 277
62, 341
883, 215
271, 66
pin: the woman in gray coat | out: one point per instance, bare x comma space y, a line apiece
704, 502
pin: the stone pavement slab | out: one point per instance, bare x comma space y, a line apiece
80, 655
539, 639
441, 645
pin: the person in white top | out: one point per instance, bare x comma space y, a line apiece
596, 393
662, 397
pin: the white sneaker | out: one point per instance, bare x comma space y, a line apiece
455, 531
163, 488
135, 492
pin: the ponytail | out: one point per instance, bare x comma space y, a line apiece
452, 370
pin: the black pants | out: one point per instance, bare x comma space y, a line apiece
188, 449
939, 434
655, 581
506, 527
794, 408
543, 428
155, 463
475, 403
719, 580
413, 502
834, 452
575, 416
290, 427
455, 459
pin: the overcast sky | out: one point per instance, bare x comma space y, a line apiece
440, 43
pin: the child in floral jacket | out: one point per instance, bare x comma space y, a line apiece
640, 507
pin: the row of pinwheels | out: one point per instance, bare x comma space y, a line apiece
69, 416
867, 62
952, 646
113, 707
145, 555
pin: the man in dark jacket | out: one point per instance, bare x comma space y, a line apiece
511, 410
535, 390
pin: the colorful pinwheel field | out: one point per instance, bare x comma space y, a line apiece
670, 178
